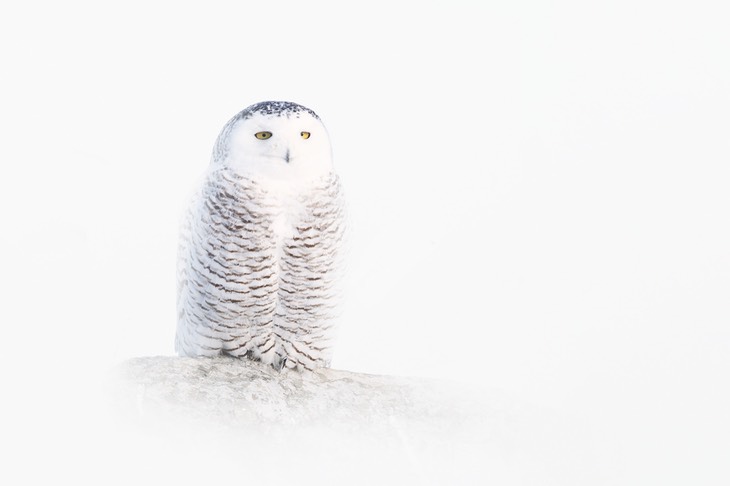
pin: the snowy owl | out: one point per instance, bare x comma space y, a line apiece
260, 248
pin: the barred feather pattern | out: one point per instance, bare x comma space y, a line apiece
256, 277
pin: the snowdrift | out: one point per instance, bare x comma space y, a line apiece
214, 416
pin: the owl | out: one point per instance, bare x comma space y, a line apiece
260, 251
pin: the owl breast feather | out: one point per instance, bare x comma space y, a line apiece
258, 272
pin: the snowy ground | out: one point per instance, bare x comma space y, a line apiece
338, 427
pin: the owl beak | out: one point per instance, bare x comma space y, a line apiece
286, 157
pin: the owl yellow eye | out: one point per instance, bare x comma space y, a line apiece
263, 135
306, 135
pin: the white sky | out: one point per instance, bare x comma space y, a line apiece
539, 191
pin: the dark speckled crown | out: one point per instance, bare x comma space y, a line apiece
276, 108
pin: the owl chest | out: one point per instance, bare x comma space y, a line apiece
246, 233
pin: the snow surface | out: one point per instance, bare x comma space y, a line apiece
339, 427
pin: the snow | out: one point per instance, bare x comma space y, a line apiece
336, 426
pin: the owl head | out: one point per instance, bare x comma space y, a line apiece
275, 140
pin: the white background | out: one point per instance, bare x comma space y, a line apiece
538, 192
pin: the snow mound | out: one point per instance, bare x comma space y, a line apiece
239, 392
346, 427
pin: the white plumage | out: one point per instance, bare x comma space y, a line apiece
260, 248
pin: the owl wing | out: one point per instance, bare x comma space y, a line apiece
311, 265
186, 339
227, 272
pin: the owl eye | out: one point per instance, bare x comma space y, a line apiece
306, 135
263, 135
